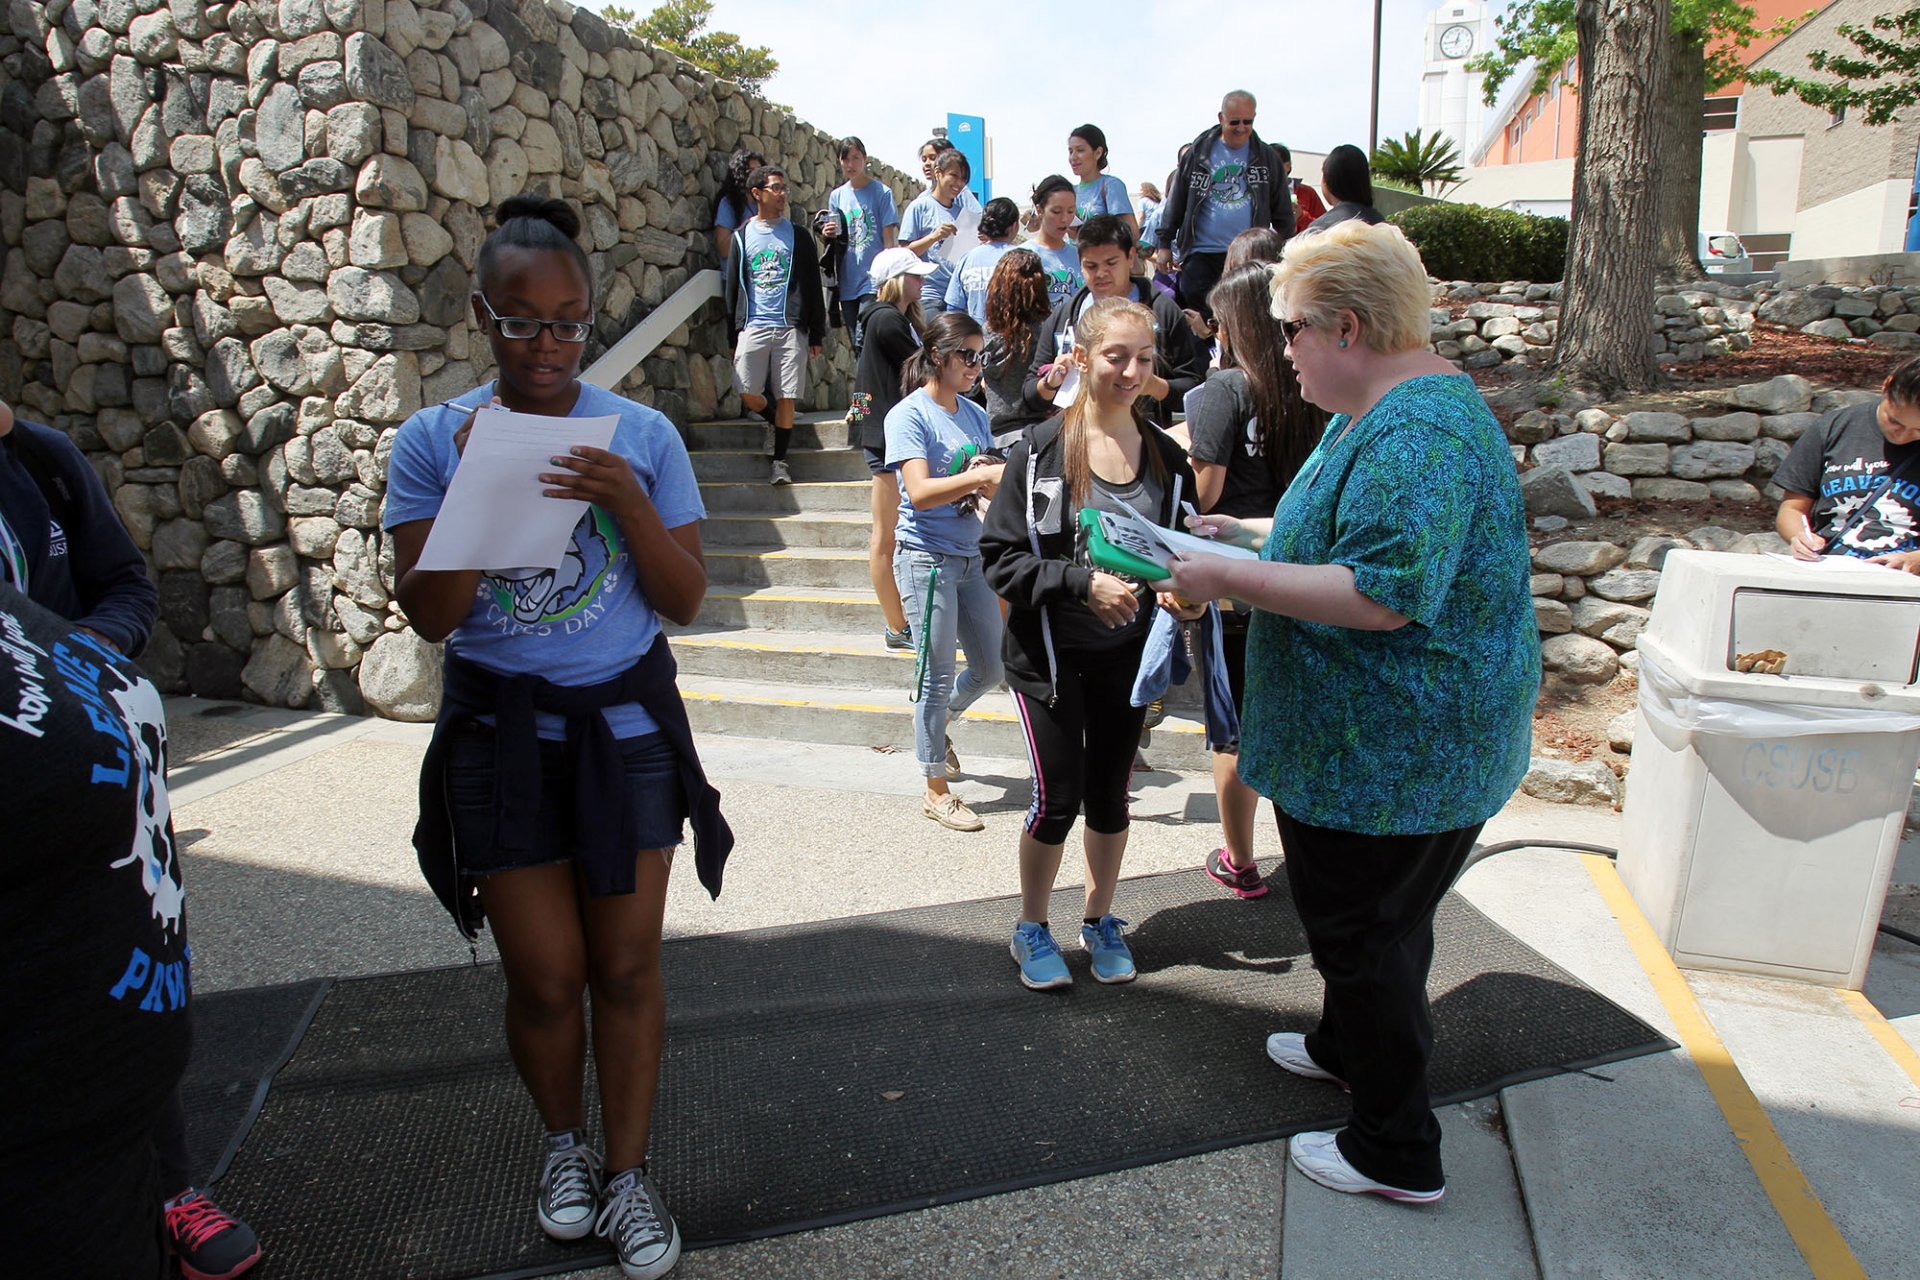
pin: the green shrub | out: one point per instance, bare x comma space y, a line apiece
1472, 242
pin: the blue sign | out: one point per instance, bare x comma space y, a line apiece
969, 134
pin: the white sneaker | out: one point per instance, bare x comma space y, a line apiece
1289, 1049
782, 474
1318, 1156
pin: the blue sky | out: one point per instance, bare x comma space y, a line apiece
1148, 72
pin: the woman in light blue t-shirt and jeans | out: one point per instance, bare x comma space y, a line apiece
1095, 191
939, 440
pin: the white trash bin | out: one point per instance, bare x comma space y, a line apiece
1763, 811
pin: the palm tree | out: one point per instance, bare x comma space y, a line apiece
1427, 163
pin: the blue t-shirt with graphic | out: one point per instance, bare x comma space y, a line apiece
1104, 194
1428, 727
1063, 270
918, 427
1226, 211
869, 212
921, 218
588, 620
769, 250
967, 291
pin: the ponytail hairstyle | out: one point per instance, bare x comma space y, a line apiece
532, 222
1093, 137
1047, 188
1016, 300
1251, 341
1077, 469
733, 183
946, 333
999, 218
953, 160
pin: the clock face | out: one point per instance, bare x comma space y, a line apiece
1456, 42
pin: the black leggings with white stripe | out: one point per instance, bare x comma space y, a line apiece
1082, 746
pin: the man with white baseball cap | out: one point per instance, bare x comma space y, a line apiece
890, 319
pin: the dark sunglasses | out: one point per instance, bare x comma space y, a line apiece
1290, 329
524, 329
1236, 123
971, 358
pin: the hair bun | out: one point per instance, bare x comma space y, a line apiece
546, 209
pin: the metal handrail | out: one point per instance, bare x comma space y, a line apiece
641, 340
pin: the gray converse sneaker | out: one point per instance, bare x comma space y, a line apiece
636, 1223
569, 1191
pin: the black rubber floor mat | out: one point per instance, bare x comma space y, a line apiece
240, 1040
823, 1073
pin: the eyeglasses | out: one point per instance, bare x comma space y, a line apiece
1290, 329
525, 329
971, 358
772, 190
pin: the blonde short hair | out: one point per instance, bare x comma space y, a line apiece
1372, 271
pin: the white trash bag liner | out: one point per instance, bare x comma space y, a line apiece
1672, 712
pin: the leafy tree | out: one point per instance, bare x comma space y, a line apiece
681, 27
1425, 163
1893, 58
1704, 44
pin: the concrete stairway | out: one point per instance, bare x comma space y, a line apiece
788, 645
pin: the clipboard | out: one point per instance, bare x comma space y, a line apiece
1119, 547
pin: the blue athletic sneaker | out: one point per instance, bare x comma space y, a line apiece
1112, 961
1041, 966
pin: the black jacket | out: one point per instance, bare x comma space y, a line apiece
806, 299
1178, 356
601, 820
890, 339
1267, 192
1346, 211
1028, 539
80, 562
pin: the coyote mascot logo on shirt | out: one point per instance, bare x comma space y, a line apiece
540, 597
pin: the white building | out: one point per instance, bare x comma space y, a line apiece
1450, 96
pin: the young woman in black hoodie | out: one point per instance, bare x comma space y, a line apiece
1076, 634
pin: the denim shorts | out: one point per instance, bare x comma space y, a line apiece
656, 805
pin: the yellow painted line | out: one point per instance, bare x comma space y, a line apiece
1805, 1218
1892, 1041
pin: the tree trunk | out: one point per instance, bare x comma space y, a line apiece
1605, 337
1682, 143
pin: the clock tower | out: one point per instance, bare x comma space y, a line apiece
1456, 32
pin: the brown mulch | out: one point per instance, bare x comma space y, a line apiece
1825, 362
1570, 720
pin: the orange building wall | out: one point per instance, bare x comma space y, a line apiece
1549, 125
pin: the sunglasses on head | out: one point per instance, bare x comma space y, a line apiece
525, 329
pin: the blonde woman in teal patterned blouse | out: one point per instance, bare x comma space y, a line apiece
1391, 674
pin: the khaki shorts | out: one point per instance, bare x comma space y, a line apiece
781, 353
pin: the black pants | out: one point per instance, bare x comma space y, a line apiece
1199, 272
1367, 903
170, 1148
850, 317
1082, 746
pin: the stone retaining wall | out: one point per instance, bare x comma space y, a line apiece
238, 239
1877, 315
1481, 326
1571, 459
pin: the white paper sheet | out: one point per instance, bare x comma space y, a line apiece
494, 515
965, 237
1171, 541
1069, 389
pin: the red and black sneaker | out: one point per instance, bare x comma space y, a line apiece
1242, 882
210, 1243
